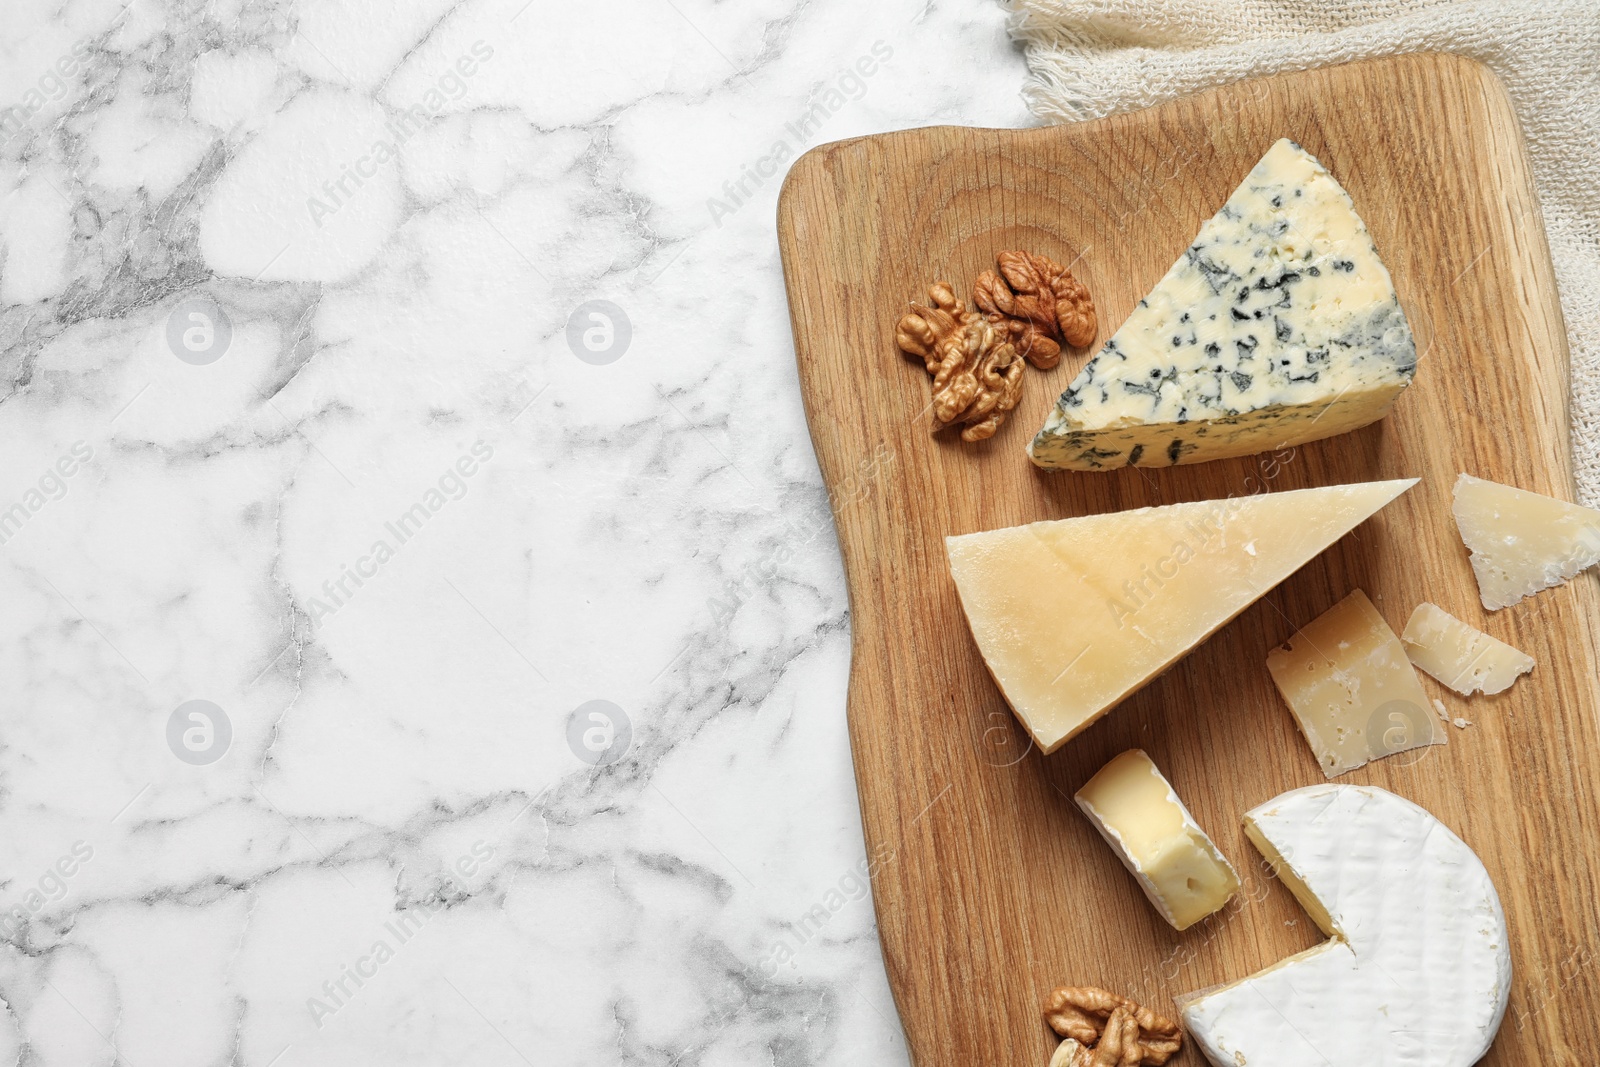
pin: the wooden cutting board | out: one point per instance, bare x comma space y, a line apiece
990, 887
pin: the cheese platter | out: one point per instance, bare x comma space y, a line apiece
1229, 359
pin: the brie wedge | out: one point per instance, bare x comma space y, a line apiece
1139, 814
1418, 970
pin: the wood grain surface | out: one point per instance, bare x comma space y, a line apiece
990, 887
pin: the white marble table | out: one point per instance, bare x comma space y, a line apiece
305, 420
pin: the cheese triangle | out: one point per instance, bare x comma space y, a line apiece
1279, 325
1074, 615
1462, 658
1522, 542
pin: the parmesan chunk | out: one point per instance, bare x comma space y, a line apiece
1467, 660
1354, 693
1522, 542
1075, 614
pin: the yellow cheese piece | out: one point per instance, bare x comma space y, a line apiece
1139, 814
1066, 1053
1352, 689
1522, 542
1074, 615
1281, 867
1467, 660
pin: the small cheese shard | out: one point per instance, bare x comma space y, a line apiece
1074, 615
1139, 814
1066, 1053
1352, 689
1467, 660
1417, 971
1522, 542
1278, 326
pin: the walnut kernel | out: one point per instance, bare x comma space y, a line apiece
1111, 1031
1039, 303
977, 375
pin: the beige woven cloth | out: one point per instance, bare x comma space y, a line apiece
1089, 58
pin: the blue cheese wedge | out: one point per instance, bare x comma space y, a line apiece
1278, 326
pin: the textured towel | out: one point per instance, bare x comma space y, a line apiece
1089, 58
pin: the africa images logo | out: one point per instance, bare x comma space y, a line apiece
598, 332
451, 485
199, 331
412, 120
599, 732
849, 83
199, 732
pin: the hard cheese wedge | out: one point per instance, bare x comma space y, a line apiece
1522, 542
1139, 814
1073, 615
1418, 970
1278, 326
1352, 688
1465, 659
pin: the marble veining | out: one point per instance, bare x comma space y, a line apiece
425, 640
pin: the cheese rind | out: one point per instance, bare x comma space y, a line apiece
1352, 689
1418, 971
1522, 542
1461, 657
1073, 615
1278, 326
1139, 814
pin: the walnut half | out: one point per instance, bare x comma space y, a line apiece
1109, 1030
1038, 303
977, 375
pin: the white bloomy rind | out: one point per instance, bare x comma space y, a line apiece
1418, 971
1151, 830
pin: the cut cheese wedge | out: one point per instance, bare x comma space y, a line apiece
1461, 657
1418, 968
1139, 814
1074, 615
1352, 688
1278, 326
1522, 542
